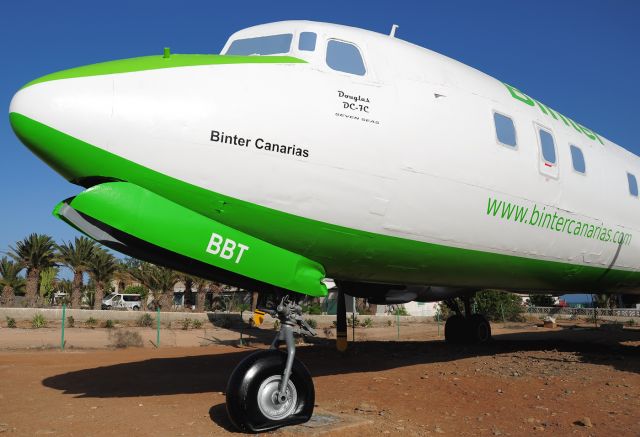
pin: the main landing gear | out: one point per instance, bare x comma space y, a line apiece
271, 388
467, 327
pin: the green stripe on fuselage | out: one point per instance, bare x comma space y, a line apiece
157, 62
345, 253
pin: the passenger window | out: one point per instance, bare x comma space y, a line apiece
342, 56
633, 185
548, 147
505, 130
577, 158
261, 45
307, 41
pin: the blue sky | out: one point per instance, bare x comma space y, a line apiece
579, 57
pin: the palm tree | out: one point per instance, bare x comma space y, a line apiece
129, 270
10, 281
102, 266
123, 275
217, 298
35, 252
76, 257
188, 282
160, 280
201, 294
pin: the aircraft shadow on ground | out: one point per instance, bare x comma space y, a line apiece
209, 373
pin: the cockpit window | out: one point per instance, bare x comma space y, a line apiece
307, 41
343, 56
261, 45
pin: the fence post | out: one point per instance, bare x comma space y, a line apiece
353, 319
158, 326
64, 311
241, 327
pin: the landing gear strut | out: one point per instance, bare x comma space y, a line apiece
270, 388
466, 327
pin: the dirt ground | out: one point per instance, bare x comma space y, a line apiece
528, 381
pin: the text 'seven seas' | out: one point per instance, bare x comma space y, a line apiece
258, 143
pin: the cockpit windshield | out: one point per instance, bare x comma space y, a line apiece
261, 45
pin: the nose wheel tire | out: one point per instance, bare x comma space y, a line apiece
254, 402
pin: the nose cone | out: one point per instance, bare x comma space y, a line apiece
58, 119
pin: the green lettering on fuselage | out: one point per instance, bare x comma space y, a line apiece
519, 95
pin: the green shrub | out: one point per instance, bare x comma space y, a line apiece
312, 322
71, 322
186, 323
11, 322
125, 338
312, 309
389, 323
630, 322
368, 322
492, 304
542, 300
400, 311
353, 321
145, 320
134, 289
197, 324
38, 321
91, 322
108, 324
499, 305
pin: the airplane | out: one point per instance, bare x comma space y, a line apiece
310, 150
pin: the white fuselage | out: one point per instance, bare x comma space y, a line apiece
407, 150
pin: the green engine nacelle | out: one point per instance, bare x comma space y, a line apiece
119, 213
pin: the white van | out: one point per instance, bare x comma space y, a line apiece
119, 301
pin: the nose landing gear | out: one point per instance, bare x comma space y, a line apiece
467, 327
270, 389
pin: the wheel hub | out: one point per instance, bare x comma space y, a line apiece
273, 404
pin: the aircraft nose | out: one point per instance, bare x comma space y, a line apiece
53, 119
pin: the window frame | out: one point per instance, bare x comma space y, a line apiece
546, 168
495, 130
289, 52
635, 180
364, 62
315, 42
544, 160
583, 159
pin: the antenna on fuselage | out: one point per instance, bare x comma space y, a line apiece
392, 34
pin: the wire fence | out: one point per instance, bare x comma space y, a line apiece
588, 312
